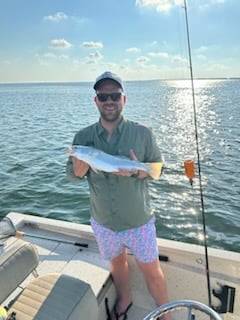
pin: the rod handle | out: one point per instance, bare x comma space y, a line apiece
19, 234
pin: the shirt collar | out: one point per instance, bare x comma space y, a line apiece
101, 129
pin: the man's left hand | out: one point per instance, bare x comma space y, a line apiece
126, 173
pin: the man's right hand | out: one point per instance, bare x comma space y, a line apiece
80, 168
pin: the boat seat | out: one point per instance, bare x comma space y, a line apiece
52, 296
15, 265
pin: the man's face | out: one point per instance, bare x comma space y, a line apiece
110, 101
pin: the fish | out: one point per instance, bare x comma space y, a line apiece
99, 160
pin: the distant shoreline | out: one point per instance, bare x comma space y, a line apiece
89, 82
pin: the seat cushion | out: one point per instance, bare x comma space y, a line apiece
56, 297
15, 265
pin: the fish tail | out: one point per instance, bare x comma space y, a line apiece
155, 169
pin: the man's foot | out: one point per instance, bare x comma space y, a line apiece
121, 315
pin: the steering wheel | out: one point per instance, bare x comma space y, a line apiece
189, 305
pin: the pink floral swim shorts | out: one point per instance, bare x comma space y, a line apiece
141, 241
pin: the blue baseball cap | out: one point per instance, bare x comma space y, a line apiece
108, 75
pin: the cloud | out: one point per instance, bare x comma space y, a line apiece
6, 62
206, 4
56, 17
60, 44
61, 16
201, 57
92, 45
94, 57
79, 20
142, 60
202, 49
177, 58
159, 5
49, 57
132, 50
152, 44
164, 55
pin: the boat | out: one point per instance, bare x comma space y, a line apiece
70, 251
52, 270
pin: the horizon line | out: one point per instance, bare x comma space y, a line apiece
172, 79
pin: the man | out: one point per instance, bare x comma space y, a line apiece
121, 216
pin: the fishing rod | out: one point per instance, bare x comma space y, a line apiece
189, 167
7, 230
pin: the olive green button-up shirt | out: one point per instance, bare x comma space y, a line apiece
117, 202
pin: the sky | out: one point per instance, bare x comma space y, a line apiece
76, 40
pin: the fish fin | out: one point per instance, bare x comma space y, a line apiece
155, 169
70, 151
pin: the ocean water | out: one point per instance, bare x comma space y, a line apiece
38, 122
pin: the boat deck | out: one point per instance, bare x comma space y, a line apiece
184, 270
80, 262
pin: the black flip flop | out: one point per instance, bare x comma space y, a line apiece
124, 313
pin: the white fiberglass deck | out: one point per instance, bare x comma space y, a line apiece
184, 270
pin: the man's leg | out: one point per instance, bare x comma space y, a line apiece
120, 273
156, 282
110, 246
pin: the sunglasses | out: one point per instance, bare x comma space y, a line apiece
116, 96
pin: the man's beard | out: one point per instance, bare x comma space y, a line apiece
111, 116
